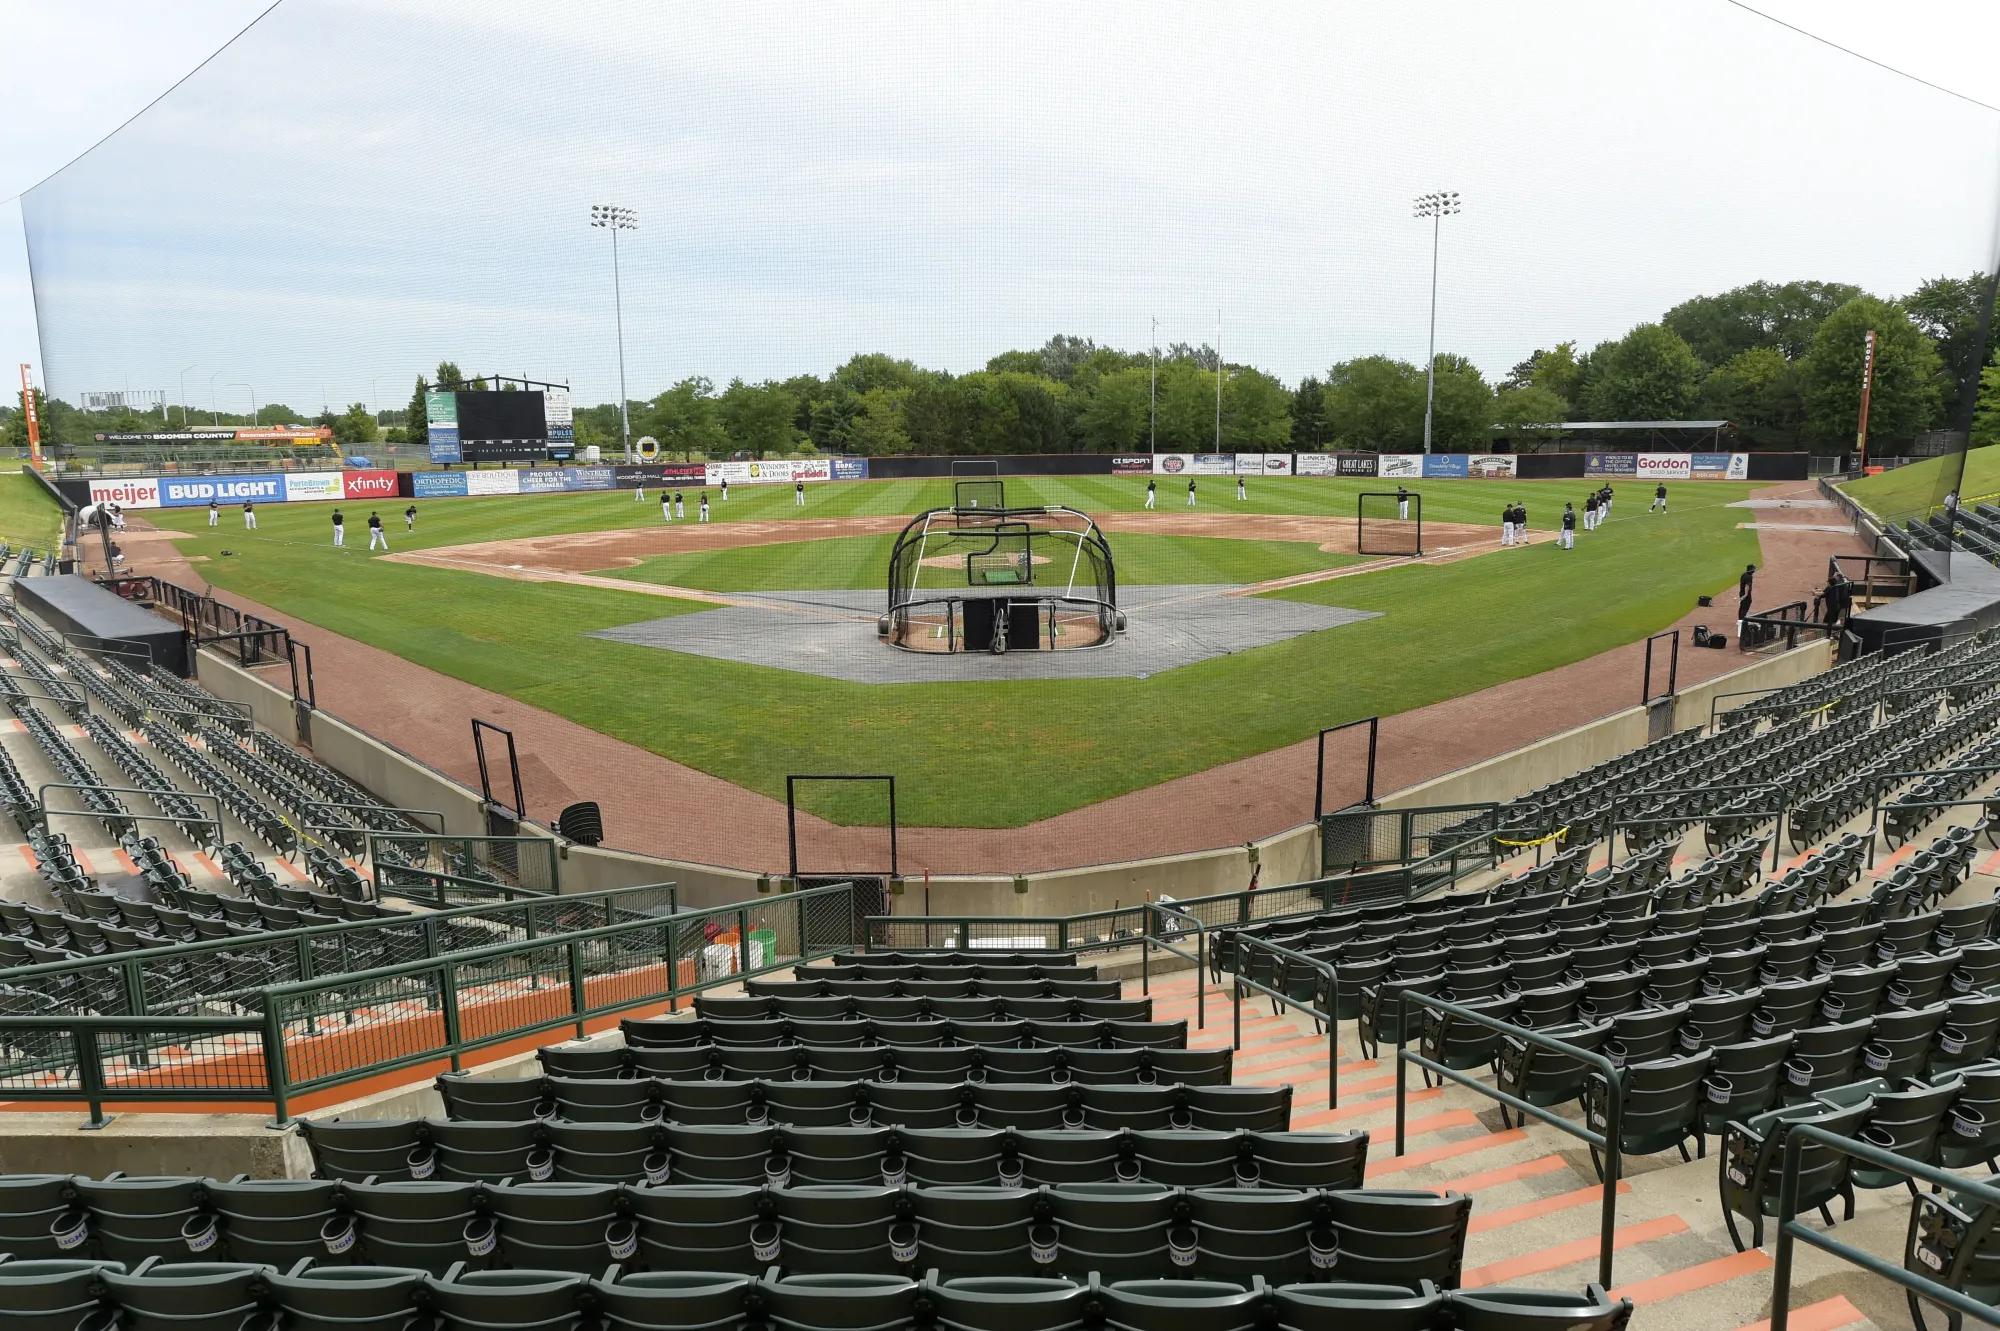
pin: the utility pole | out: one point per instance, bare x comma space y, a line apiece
1153, 411
1437, 207
612, 218
1218, 381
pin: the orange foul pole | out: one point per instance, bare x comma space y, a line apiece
34, 417
1867, 383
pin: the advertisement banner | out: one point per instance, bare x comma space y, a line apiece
1129, 464
1491, 466
1212, 464
631, 478
546, 481
310, 485
1360, 464
1249, 464
1277, 464
1445, 465
1399, 466
127, 492
1171, 464
1739, 467
684, 473
493, 482
812, 469
196, 491
556, 415
441, 484
593, 478
1610, 464
1662, 467
776, 472
373, 484
856, 469
1316, 464
444, 444
281, 433
1709, 466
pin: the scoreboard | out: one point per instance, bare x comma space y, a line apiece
500, 425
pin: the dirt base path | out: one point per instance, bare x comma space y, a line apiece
714, 821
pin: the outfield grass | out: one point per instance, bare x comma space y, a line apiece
1913, 489
862, 562
28, 517
990, 754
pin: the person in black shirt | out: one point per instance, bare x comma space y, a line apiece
376, 536
410, 518
1590, 511
1507, 525
1569, 527
1659, 499
1402, 503
1745, 585
339, 530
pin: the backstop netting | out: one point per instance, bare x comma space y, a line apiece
1390, 523
1052, 390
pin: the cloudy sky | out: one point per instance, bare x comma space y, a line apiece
355, 189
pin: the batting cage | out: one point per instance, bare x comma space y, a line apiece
1389, 523
982, 577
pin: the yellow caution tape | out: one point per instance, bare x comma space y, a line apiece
1815, 711
1559, 834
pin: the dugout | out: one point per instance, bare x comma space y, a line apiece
1960, 595
981, 576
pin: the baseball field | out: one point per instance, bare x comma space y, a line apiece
506, 593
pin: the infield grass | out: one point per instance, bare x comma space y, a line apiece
988, 754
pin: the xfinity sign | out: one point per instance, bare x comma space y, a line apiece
196, 492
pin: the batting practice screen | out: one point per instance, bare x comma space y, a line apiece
1390, 523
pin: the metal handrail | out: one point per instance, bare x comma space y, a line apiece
1790, 1231
1200, 957
94, 1090
1607, 1141
1757, 815
1290, 958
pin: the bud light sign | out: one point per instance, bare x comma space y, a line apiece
198, 491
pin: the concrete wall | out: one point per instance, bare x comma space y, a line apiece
269, 700
1535, 765
210, 1145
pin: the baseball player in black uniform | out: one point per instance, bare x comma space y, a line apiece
1659, 498
1569, 527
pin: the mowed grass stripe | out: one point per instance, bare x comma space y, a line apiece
988, 754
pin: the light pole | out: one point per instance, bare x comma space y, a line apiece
1153, 406
1218, 381
612, 218
214, 418
253, 401
1437, 207
184, 395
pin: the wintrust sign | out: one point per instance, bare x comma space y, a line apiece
126, 493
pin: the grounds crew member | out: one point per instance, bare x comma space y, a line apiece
410, 518
249, 516
376, 536
1659, 498
1569, 526
339, 530
1190, 492
1152, 492
214, 513
1402, 503
704, 507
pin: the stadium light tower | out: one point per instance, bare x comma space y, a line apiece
1437, 207
610, 217
184, 394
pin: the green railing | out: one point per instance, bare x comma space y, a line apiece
219, 972
1608, 1141
1356, 839
330, 1032
531, 863
427, 887
1257, 956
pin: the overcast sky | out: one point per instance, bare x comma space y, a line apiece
358, 188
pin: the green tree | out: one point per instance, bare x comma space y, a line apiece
276, 413
1375, 402
356, 425
1114, 418
1187, 406
1986, 414
758, 417
685, 419
1529, 413
1762, 314
938, 416
1461, 407
1947, 310
877, 429
418, 417
1650, 374
1309, 415
1761, 392
1256, 411
1015, 362
876, 370
1555, 370
1907, 395
15, 432
449, 380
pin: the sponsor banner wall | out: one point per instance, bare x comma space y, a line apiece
772, 472
1491, 466
1720, 466
1662, 466
1212, 464
196, 491
1277, 464
1172, 464
309, 485
1315, 464
543, 481
440, 484
1360, 464
1445, 465
126, 492
1131, 464
1249, 464
1610, 464
812, 469
1399, 466
853, 469
367, 485
556, 415
492, 482
632, 477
